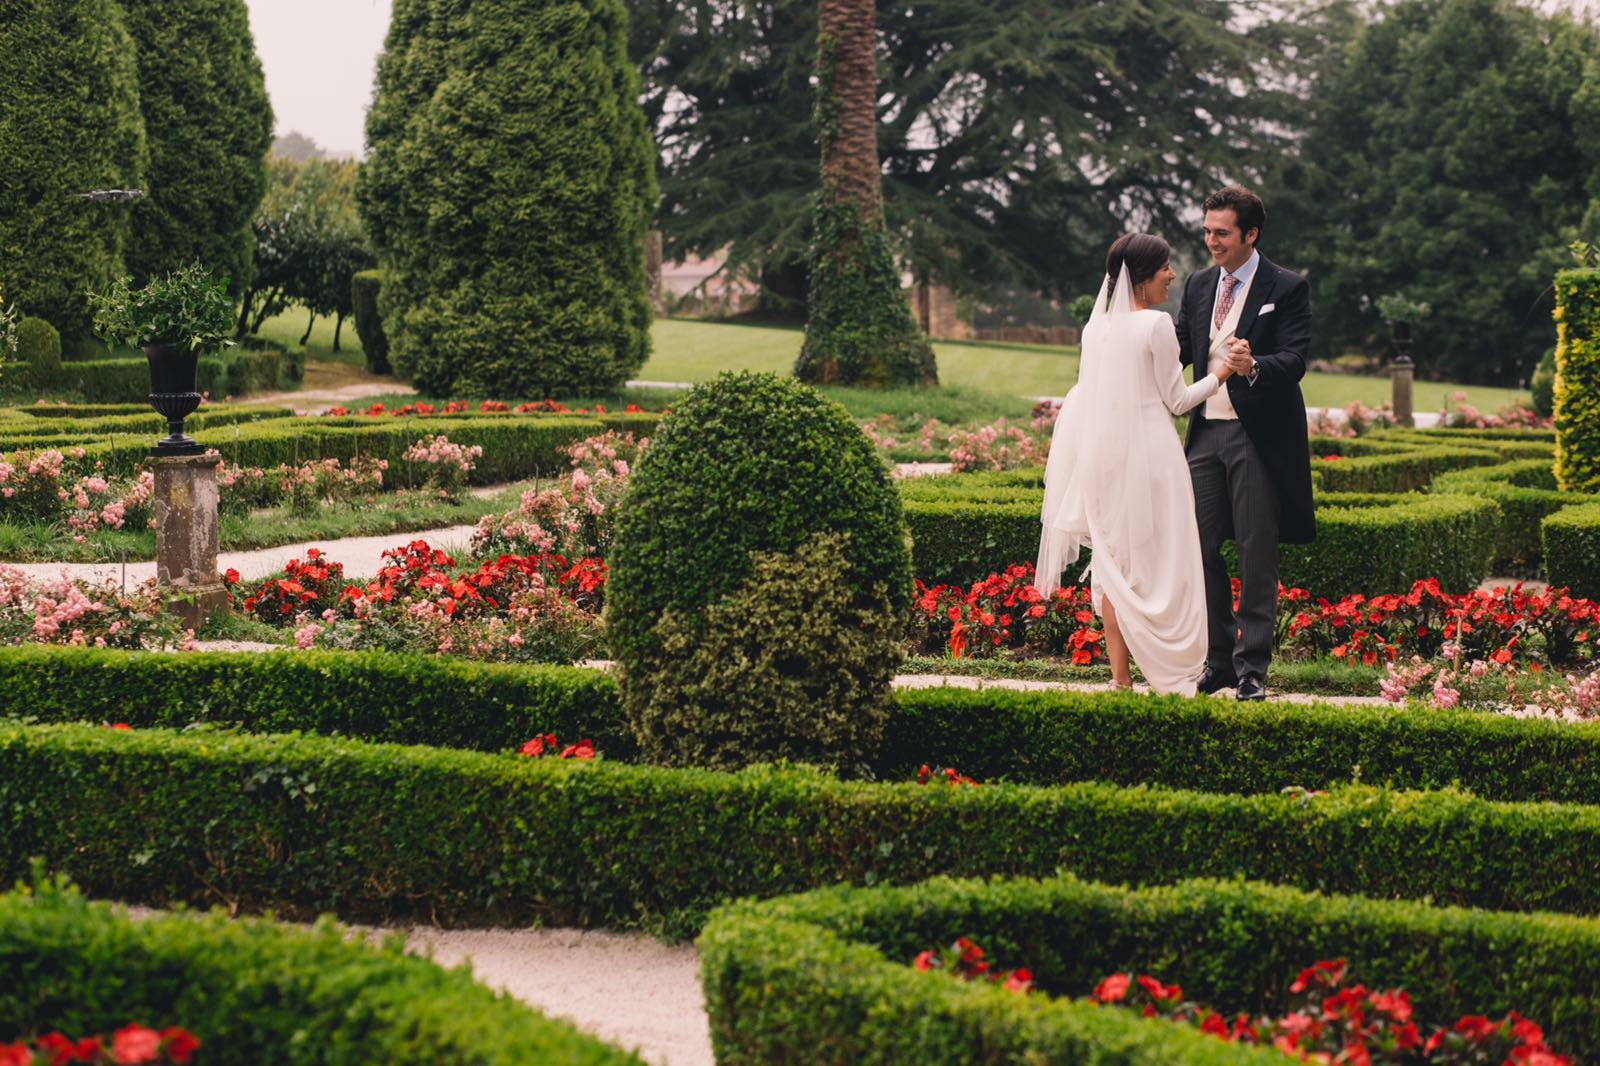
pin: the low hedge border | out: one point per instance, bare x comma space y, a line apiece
960, 540
253, 991
19, 433
1037, 738
834, 964
1506, 440
514, 446
1525, 491
1402, 471
1571, 539
127, 380
382, 832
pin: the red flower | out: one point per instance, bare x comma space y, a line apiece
1112, 990
1020, 981
179, 1044
231, 576
15, 1055
57, 1046
134, 1044
583, 749
121, 726
923, 961
538, 745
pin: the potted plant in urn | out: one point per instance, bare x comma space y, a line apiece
174, 320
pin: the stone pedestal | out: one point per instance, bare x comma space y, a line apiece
1400, 374
187, 533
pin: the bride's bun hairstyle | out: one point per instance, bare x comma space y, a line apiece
1142, 253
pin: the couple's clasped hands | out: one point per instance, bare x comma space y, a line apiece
1239, 360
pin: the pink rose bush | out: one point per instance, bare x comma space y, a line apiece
61, 610
445, 465
574, 516
52, 486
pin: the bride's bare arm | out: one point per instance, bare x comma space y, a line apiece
1168, 372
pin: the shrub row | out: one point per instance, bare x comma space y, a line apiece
128, 380
1039, 738
1364, 468
1572, 548
833, 964
514, 446
382, 832
22, 433
1577, 381
963, 538
1524, 490
256, 992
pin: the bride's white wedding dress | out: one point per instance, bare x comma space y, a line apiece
1118, 483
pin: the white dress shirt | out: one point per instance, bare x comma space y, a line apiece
1220, 406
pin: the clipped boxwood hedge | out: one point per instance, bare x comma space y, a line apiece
382, 832
962, 533
834, 964
1577, 382
514, 446
1525, 491
1039, 738
18, 432
1377, 466
1572, 548
128, 380
254, 991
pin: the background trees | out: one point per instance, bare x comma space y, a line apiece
70, 123
209, 124
1448, 154
507, 189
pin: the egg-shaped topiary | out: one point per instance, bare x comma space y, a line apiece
749, 473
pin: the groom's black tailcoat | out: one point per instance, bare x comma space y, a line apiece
1272, 411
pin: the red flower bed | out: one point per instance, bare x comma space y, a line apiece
131, 1045
1006, 611
307, 585
965, 962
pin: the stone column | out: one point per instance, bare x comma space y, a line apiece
1400, 374
187, 535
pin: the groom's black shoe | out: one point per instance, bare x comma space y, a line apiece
1214, 680
1251, 687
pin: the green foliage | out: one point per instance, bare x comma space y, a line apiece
187, 307
379, 832
39, 346
792, 665
209, 126
1525, 491
309, 244
1443, 147
515, 447
859, 329
1035, 738
1543, 385
9, 327
1577, 380
507, 188
962, 534
364, 288
835, 965
1396, 307
1572, 549
70, 125
748, 465
975, 191
256, 992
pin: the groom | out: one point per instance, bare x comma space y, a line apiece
1247, 448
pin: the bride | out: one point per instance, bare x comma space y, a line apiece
1117, 481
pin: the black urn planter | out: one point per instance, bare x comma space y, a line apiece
173, 371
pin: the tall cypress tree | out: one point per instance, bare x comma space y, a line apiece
508, 185
69, 123
209, 126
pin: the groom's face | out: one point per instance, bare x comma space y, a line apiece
1229, 247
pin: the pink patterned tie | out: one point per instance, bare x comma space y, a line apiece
1225, 304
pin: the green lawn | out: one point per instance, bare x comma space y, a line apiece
693, 351
688, 350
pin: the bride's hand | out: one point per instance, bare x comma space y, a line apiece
1223, 373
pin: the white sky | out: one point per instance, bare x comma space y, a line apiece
319, 57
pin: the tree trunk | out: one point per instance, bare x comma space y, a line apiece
847, 69
307, 334
338, 324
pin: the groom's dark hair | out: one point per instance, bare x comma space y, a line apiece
1142, 253
1245, 205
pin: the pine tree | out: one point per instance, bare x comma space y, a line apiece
507, 189
69, 124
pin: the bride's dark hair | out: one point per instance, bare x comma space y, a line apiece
1142, 253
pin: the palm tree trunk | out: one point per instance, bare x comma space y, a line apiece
848, 105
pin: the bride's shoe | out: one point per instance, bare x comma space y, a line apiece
1122, 688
